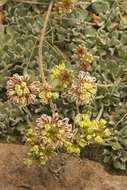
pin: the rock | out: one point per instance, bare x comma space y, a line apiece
62, 173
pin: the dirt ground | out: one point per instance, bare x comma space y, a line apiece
63, 173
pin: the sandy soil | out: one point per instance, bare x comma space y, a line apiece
62, 173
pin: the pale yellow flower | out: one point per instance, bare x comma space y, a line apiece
21, 91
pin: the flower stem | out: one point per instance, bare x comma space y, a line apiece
41, 43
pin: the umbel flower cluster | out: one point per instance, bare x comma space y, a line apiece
93, 130
21, 91
49, 134
54, 132
83, 89
87, 132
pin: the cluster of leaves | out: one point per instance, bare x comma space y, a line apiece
117, 152
97, 25
12, 123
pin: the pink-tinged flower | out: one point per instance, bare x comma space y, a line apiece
21, 91
51, 131
83, 89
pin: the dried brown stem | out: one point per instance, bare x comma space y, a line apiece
41, 43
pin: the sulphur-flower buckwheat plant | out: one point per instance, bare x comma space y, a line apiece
21, 91
49, 134
60, 76
83, 89
64, 43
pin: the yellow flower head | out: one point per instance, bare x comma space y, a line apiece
49, 134
99, 139
92, 130
21, 91
60, 76
88, 58
83, 89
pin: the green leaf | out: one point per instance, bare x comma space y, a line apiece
107, 159
100, 6
116, 146
119, 165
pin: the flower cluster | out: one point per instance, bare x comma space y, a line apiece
60, 76
84, 57
63, 6
83, 89
52, 133
21, 91
49, 134
94, 131
87, 132
46, 93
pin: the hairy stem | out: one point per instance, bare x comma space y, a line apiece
41, 43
